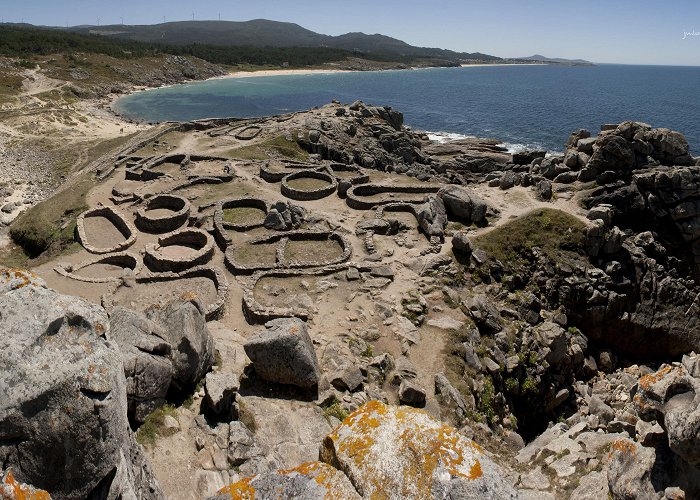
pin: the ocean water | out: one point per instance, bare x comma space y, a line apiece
521, 106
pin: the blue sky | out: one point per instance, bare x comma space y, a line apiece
640, 32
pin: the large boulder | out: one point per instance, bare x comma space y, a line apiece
402, 452
185, 329
283, 353
146, 357
671, 396
633, 472
310, 481
432, 217
63, 410
463, 204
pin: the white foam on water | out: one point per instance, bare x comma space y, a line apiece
443, 137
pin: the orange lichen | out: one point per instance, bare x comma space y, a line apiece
321, 473
647, 381
439, 448
18, 491
475, 472
189, 296
242, 490
624, 446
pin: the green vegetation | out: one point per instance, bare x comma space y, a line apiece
486, 401
152, 427
50, 225
553, 231
307, 184
333, 409
28, 42
530, 385
316, 250
271, 148
243, 215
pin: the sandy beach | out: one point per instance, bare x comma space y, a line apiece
289, 72
283, 72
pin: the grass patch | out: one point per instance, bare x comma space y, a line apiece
307, 184
152, 427
243, 215
255, 254
333, 409
312, 250
271, 148
49, 226
553, 231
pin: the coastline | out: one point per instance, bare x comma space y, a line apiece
285, 72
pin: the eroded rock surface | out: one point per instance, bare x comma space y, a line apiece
390, 452
63, 419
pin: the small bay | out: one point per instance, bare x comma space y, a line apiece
533, 106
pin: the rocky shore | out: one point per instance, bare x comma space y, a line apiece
328, 304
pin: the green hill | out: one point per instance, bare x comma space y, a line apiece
265, 33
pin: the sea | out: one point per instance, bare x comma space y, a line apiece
522, 106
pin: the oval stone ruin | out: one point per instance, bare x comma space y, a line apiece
163, 213
104, 230
180, 250
308, 185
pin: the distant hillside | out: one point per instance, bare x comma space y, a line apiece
557, 60
265, 33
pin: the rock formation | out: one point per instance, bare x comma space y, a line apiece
63, 420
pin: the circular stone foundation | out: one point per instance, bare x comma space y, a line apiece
180, 250
163, 213
98, 228
247, 133
305, 185
104, 265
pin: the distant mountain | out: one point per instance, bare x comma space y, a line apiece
557, 60
265, 33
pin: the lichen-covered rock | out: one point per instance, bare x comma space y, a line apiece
11, 489
283, 353
308, 481
671, 396
12, 279
184, 325
632, 472
63, 410
146, 357
403, 453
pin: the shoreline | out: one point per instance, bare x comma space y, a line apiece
285, 72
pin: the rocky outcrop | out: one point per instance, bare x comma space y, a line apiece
283, 353
670, 396
615, 153
390, 452
672, 196
311, 480
463, 204
284, 216
146, 358
63, 416
184, 327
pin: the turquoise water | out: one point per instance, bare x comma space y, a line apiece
523, 106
